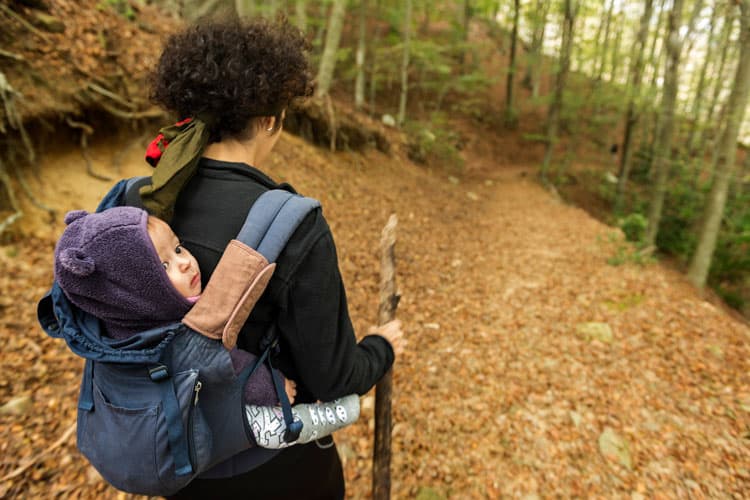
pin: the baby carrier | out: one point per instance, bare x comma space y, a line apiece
159, 408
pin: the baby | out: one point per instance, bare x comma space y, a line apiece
130, 271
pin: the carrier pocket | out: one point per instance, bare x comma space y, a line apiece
130, 446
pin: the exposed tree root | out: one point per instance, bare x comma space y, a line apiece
30, 195
131, 115
115, 97
331, 122
12, 55
117, 158
86, 130
315, 122
23, 21
17, 212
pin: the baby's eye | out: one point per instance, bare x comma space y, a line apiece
178, 249
165, 265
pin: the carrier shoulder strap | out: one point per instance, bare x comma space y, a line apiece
246, 266
272, 220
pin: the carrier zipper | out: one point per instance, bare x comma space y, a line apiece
197, 390
190, 430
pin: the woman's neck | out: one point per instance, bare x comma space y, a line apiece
232, 150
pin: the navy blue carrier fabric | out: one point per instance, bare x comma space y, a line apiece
172, 354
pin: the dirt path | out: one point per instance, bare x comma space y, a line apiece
520, 397
501, 392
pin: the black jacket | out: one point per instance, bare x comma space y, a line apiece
305, 297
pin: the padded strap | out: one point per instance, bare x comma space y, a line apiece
175, 431
273, 219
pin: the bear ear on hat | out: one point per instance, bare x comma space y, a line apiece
75, 261
74, 215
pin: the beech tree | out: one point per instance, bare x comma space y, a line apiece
328, 59
300, 14
570, 8
632, 113
717, 197
510, 114
539, 23
405, 65
663, 146
359, 84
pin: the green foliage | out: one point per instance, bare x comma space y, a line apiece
684, 204
434, 143
122, 7
634, 226
627, 253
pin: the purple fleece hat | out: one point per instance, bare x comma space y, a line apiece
107, 265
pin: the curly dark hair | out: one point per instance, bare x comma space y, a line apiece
229, 72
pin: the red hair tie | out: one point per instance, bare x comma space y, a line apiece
157, 147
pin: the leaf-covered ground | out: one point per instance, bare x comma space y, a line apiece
534, 366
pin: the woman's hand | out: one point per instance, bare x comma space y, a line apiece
291, 389
392, 332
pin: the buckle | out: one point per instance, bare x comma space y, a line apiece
158, 373
293, 431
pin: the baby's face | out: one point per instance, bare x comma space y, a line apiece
180, 265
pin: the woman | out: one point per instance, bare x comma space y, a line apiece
230, 84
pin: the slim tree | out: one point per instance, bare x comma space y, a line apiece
695, 110
615, 57
632, 113
405, 64
604, 45
719, 82
539, 22
359, 84
510, 113
663, 146
245, 8
570, 8
300, 14
717, 197
328, 59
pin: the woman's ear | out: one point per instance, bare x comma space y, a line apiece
269, 123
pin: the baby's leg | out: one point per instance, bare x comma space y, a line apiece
318, 420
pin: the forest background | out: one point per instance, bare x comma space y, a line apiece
634, 111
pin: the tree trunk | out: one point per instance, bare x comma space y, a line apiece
193, 10
273, 8
662, 149
405, 65
466, 19
604, 47
535, 54
245, 8
570, 9
359, 84
632, 114
328, 60
615, 66
738, 100
695, 110
510, 113
374, 43
654, 60
300, 14
719, 86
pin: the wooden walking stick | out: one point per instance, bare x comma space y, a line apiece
381, 456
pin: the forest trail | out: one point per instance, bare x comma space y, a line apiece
534, 366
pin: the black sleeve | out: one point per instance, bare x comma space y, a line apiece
318, 331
